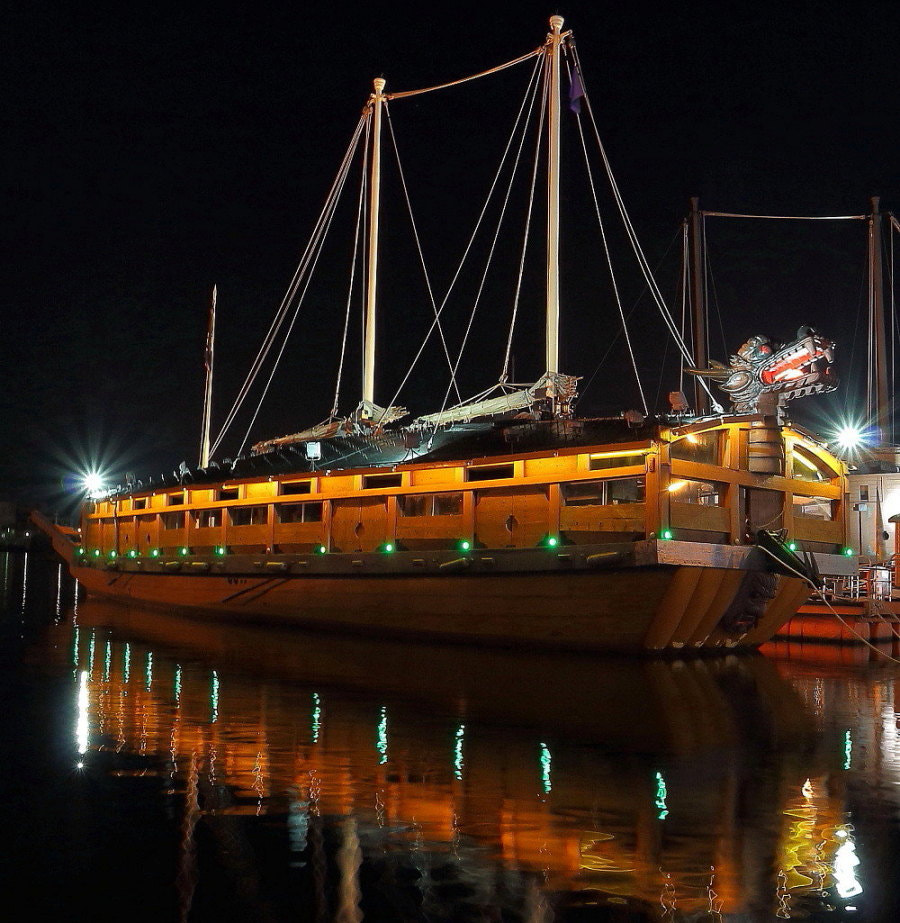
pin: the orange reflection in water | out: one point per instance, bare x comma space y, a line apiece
675, 787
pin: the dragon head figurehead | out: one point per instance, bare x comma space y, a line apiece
781, 371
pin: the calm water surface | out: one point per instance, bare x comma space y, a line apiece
160, 768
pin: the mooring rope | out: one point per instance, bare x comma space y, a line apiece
818, 592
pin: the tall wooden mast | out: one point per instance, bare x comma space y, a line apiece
207, 391
554, 50
698, 303
876, 294
377, 102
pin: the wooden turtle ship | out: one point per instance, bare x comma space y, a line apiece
505, 519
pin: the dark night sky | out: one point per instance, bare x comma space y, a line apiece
153, 151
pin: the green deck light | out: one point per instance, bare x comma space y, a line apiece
667, 534
549, 541
221, 550
96, 552
464, 545
848, 552
113, 554
79, 551
154, 553
184, 551
792, 546
388, 547
132, 553
321, 549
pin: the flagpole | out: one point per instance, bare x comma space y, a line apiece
207, 393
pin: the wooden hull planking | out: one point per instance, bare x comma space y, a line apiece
636, 609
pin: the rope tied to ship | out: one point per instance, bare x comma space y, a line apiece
819, 593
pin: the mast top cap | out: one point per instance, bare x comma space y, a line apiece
379, 83
556, 23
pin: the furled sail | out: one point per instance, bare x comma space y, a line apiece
550, 391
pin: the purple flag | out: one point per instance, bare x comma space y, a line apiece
576, 91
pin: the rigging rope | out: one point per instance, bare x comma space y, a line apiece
715, 294
504, 375
685, 257
707, 278
278, 320
502, 215
314, 259
852, 358
528, 90
443, 86
871, 377
360, 216
666, 315
631, 310
818, 592
412, 220
787, 217
612, 274
893, 331
292, 288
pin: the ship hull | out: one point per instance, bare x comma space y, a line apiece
579, 534
648, 596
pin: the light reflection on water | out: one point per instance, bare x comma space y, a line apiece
319, 777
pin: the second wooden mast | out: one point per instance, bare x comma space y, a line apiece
554, 51
377, 103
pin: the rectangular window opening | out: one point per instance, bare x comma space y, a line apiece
173, 520
703, 493
705, 448
813, 508
249, 516
444, 504
490, 472
299, 512
207, 519
288, 488
809, 467
604, 493
373, 481
599, 462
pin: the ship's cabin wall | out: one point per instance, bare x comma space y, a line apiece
872, 513
707, 483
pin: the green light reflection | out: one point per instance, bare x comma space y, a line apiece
546, 766
458, 762
661, 794
316, 717
382, 742
214, 697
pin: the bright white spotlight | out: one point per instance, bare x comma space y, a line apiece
849, 437
93, 484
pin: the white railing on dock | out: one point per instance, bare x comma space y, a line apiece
872, 581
